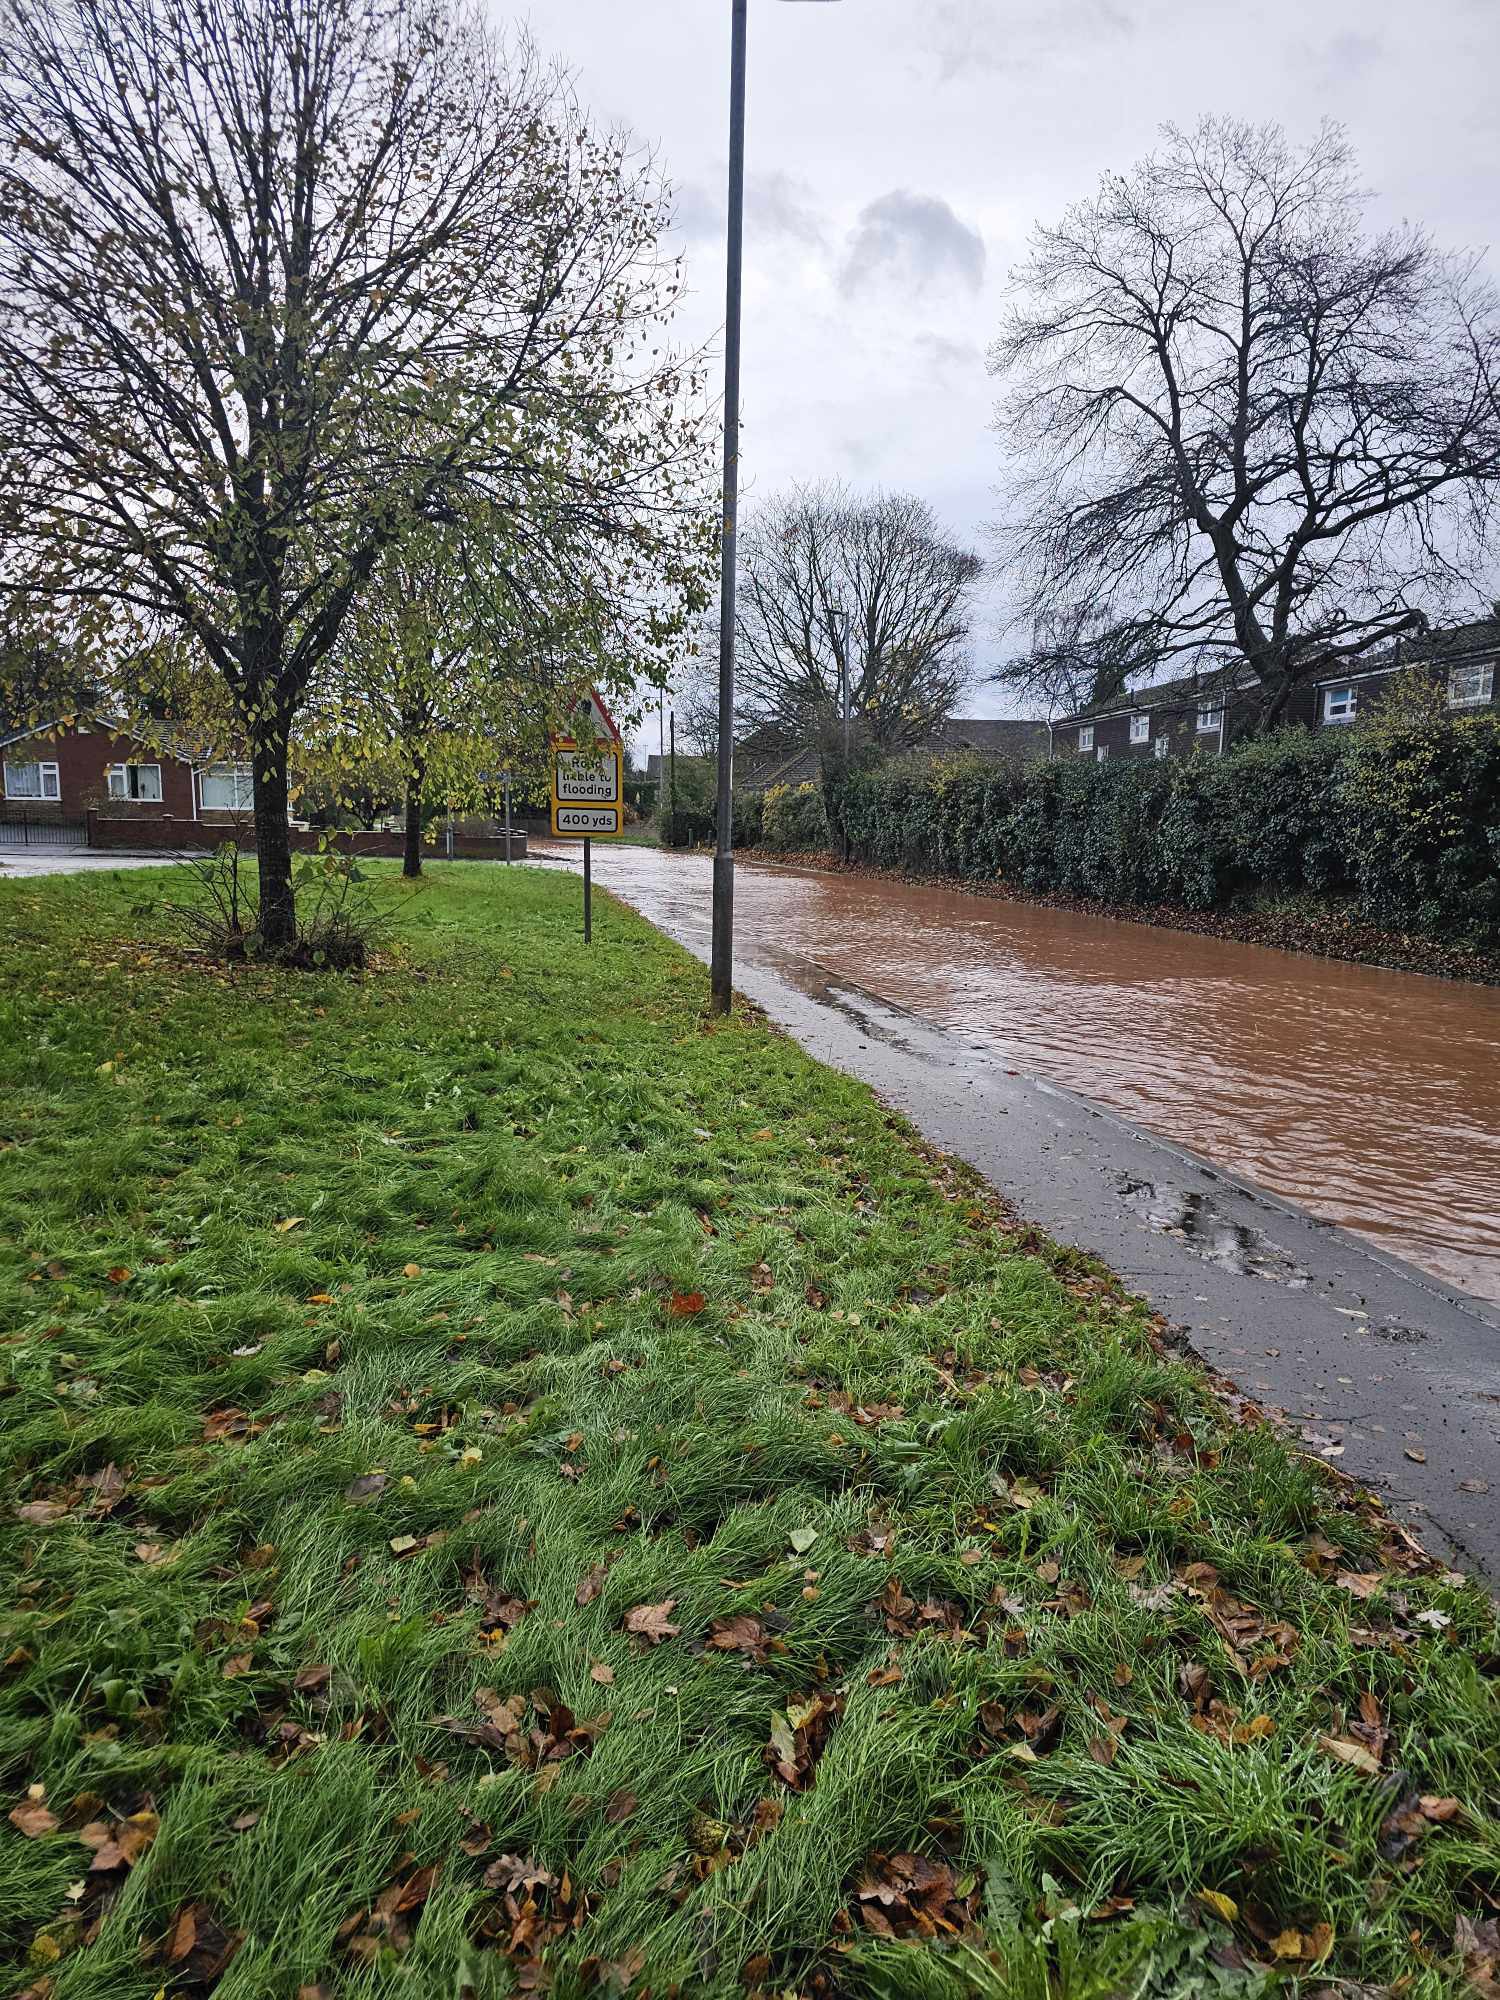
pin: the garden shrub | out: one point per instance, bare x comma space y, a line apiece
793, 820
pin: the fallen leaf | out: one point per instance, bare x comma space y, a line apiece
1358, 1583
41, 1513
119, 1274
1416, 1454
33, 1819
1221, 1905
651, 1622
312, 1680
620, 1807
290, 1222
184, 1935
802, 1539
685, 1304
366, 1487
603, 1674
1355, 1755
411, 1270
237, 1664
740, 1634
590, 1585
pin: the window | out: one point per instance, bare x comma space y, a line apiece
1086, 738
1338, 704
1160, 747
1210, 718
1101, 753
1140, 729
135, 781
1471, 687
31, 781
227, 788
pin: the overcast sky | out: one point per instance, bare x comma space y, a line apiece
900, 150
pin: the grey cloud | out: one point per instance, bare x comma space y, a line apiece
1348, 56
915, 238
776, 206
944, 357
970, 35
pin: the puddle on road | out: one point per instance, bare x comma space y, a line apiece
1199, 1222
1369, 1098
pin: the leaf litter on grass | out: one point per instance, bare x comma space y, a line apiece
583, 1599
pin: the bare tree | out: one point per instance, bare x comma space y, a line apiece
1239, 428
281, 278
831, 579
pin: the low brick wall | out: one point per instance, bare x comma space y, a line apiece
13, 812
160, 833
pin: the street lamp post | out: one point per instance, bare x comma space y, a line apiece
721, 964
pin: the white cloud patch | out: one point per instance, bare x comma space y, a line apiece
906, 238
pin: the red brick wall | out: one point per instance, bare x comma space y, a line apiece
83, 757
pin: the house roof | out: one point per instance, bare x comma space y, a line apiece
989, 735
1186, 691
164, 737
1479, 637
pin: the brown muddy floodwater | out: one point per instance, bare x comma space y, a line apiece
1371, 1098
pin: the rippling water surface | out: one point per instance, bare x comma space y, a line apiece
1372, 1098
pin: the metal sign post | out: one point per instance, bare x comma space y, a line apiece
588, 801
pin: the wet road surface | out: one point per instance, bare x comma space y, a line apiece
1368, 1361
1370, 1098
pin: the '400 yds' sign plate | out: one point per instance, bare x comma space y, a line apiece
586, 798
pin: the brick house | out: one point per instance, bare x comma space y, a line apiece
1460, 662
1207, 713
1194, 713
56, 771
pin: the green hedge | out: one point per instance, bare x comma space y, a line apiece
687, 814
1400, 817
793, 821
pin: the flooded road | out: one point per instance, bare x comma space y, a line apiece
1369, 1098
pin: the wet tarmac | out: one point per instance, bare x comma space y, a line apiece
1390, 1370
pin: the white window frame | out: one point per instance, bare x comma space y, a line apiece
1086, 737
1210, 718
1140, 728
1481, 681
240, 776
1339, 703
124, 795
1160, 747
1101, 753
47, 774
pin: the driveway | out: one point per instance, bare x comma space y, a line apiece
75, 861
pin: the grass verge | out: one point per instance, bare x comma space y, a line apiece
506, 1488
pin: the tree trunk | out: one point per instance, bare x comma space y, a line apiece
411, 857
273, 847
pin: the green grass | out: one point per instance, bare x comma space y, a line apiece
598, 1304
